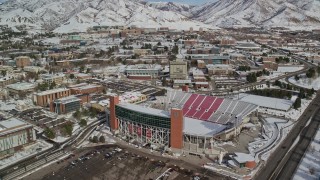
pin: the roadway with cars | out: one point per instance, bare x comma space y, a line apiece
285, 159
57, 147
307, 66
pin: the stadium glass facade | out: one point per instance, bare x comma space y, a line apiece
146, 119
143, 127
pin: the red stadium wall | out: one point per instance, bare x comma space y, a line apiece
114, 100
176, 135
185, 88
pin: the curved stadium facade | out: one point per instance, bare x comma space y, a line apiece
179, 120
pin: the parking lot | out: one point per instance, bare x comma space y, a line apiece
112, 163
125, 86
42, 118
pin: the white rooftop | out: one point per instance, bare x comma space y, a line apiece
22, 86
51, 76
124, 98
7, 106
180, 81
197, 72
77, 85
243, 158
10, 123
144, 67
201, 128
88, 86
219, 66
202, 83
51, 91
267, 102
67, 99
82, 75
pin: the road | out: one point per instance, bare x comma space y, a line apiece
297, 153
57, 146
307, 66
285, 159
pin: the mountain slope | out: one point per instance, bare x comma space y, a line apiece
259, 12
183, 9
77, 15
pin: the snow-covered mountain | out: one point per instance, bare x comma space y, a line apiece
260, 12
77, 15
183, 9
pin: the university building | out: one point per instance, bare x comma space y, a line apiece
46, 97
15, 134
65, 105
178, 70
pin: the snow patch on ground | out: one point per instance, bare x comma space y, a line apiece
307, 82
275, 130
27, 152
309, 167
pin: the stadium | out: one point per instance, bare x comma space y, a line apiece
179, 121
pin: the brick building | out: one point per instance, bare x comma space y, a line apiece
22, 61
84, 88
270, 65
46, 97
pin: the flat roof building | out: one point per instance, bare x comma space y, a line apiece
211, 59
219, 69
14, 135
84, 88
57, 78
17, 88
46, 97
178, 70
65, 105
267, 102
6, 80
22, 61
152, 70
34, 69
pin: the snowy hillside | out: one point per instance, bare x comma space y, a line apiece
259, 12
126, 12
77, 15
183, 9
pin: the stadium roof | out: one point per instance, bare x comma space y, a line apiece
267, 102
201, 128
191, 126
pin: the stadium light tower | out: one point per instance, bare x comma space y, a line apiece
235, 129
